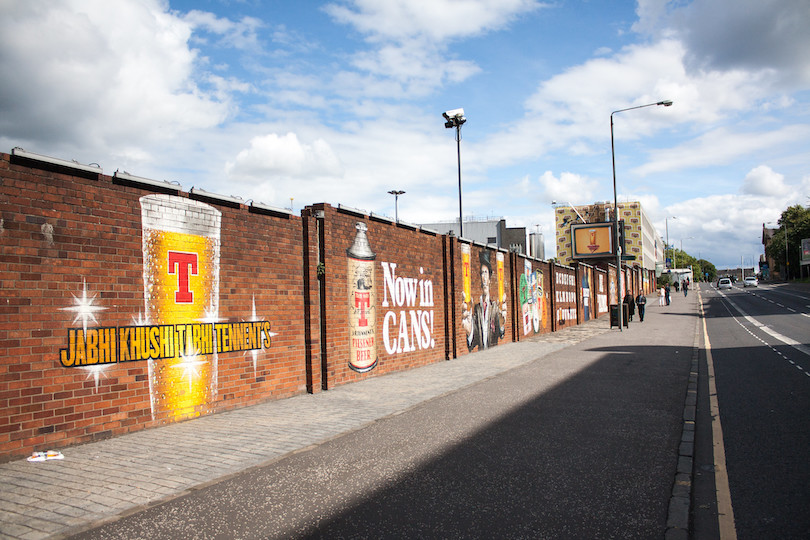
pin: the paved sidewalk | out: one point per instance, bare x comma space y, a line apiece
99, 482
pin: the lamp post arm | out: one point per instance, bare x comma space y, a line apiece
616, 230
665, 103
619, 280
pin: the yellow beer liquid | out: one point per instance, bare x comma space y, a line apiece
185, 385
466, 273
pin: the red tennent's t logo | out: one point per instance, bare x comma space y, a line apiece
183, 264
362, 300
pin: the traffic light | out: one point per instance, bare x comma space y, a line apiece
621, 239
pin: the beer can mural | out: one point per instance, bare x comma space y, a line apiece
181, 246
362, 303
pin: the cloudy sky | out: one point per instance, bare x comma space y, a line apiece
340, 101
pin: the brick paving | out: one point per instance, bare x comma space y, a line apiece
100, 481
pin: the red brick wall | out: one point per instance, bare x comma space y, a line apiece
69, 240
565, 296
92, 347
533, 297
408, 296
477, 254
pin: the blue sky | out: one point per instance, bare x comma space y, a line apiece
340, 101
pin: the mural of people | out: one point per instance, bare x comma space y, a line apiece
486, 323
529, 293
534, 300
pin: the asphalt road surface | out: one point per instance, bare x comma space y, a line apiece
761, 356
580, 444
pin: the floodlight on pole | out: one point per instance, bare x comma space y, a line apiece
665, 103
455, 119
396, 193
682, 239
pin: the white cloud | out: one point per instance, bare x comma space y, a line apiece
409, 41
428, 20
718, 228
754, 35
113, 75
240, 34
418, 70
722, 228
750, 36
721, 146
569, 187
763, 181
272, 155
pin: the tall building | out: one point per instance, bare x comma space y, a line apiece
641, 238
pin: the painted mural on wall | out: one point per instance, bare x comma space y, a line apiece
408, 322
485, 323
565, 296
601, 294
532, 301
586, 294
410, 327
614, 300
180, 333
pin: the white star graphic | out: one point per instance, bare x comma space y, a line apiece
190, 366
84, 308
255, 352
97, 372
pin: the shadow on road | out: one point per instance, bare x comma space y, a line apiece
590, 455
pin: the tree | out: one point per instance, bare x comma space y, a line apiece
797, 219
707, 268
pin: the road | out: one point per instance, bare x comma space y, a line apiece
582, 442
761, 360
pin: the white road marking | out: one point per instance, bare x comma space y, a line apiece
770, 331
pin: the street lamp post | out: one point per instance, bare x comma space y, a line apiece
682, 239
786, 247
455, 119
666, 248
396, 194
665, 103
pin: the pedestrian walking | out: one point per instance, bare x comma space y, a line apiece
641, 302
667, 292
661, 296
631, 305
685, 287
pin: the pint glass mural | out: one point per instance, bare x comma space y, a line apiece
466, 273
499, 265
362, 303
181, 243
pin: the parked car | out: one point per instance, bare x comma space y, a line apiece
750, 281
724, 283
